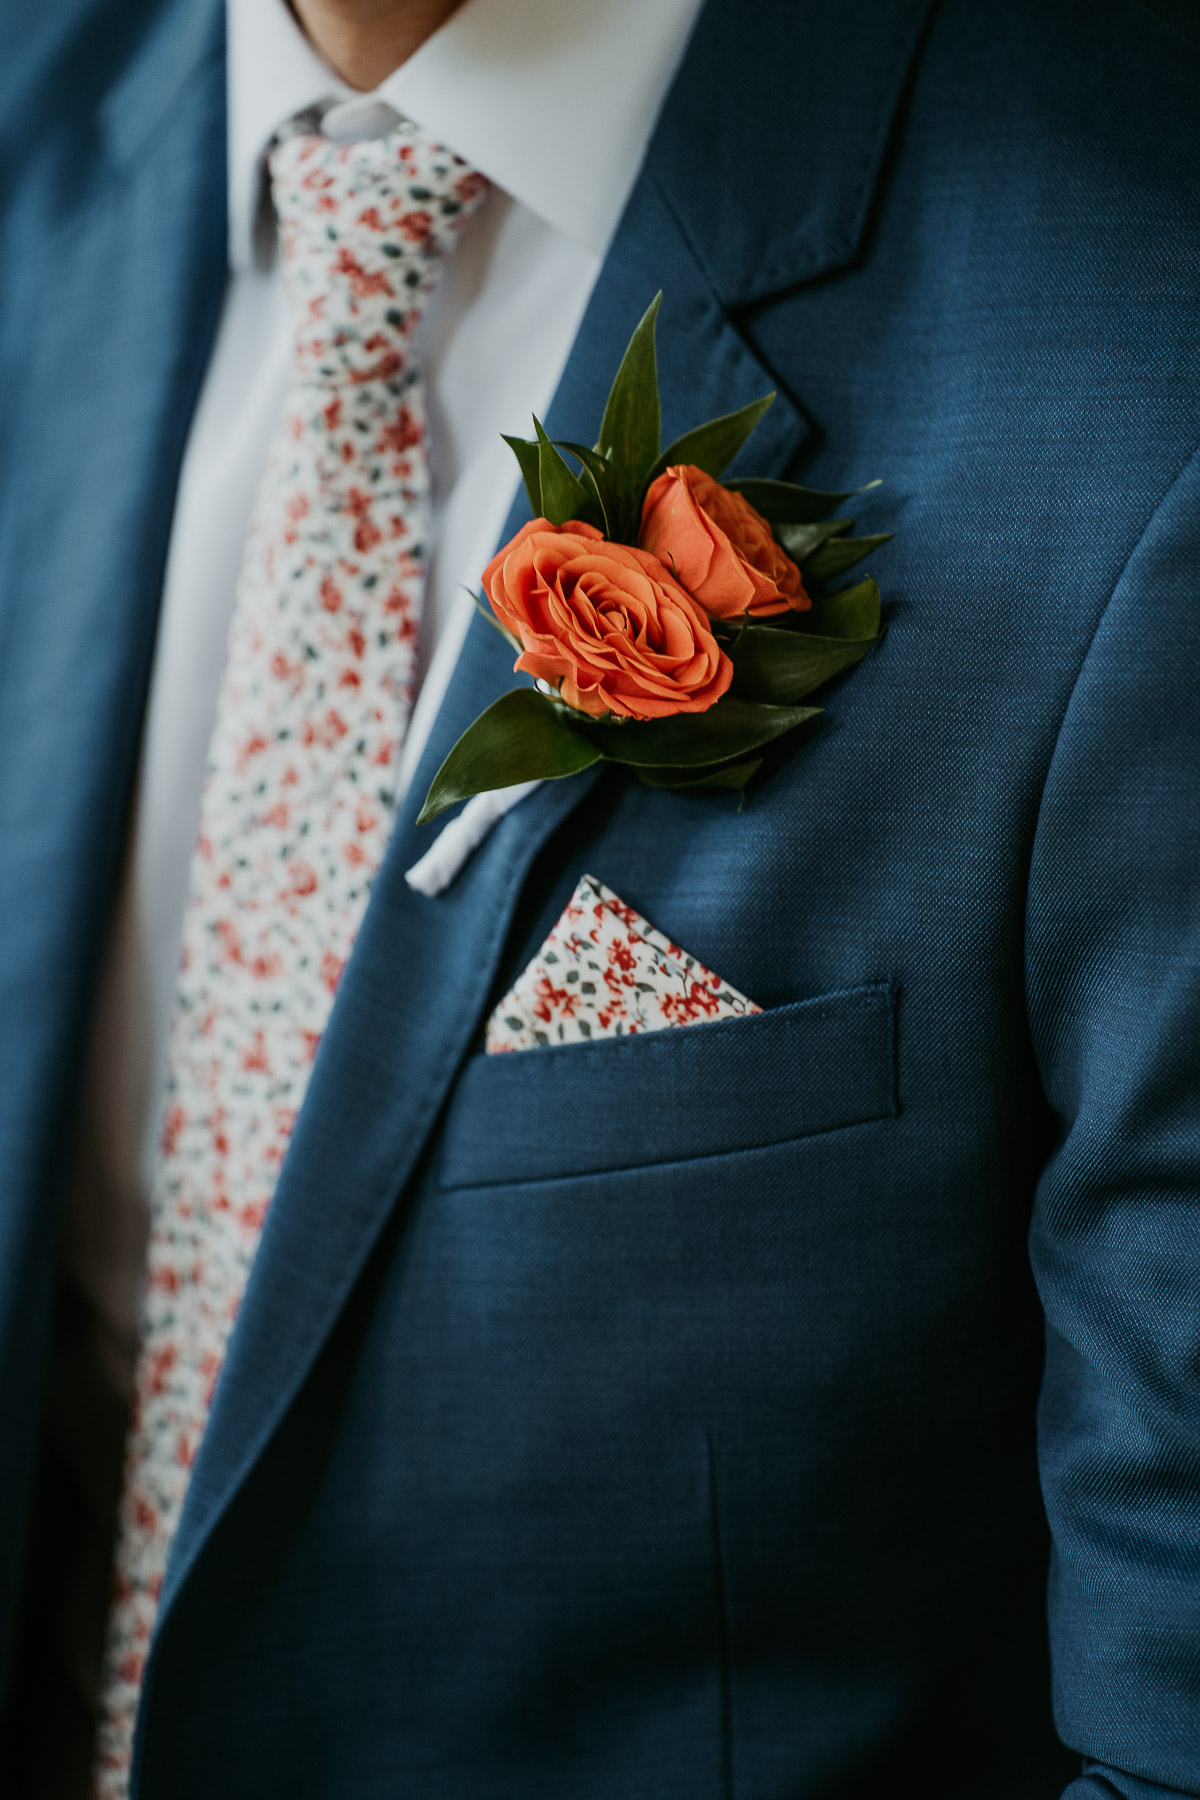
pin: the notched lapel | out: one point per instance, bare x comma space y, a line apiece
707, 366
414, 991
760, 223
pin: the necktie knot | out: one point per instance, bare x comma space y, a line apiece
365, 229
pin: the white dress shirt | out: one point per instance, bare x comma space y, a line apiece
553, 100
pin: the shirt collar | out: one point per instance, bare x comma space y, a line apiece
274, 73
553, 100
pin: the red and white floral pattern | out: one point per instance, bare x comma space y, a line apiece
604, 971
299, 801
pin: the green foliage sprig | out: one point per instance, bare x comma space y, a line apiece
529, 734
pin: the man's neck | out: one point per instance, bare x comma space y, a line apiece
363, 41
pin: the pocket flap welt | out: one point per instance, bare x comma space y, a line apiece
694, 1090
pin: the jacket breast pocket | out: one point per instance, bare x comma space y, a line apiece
665, 1096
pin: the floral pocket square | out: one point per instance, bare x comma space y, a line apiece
604, 971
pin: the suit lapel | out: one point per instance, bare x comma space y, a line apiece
760, 222
413, 992
111, 290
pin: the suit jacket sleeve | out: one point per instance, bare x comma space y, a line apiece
1113, 973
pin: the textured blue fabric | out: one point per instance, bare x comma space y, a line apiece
103, 342
645, 1457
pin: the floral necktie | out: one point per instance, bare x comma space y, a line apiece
298, 800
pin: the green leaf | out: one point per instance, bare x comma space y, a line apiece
783, 503
597, 512
696, 740
601, 478
528, 456
840, 554
523, 736
599, 465
851, 612
729, 775
801, 540
563, 494
632, 424
783, 666
712, 447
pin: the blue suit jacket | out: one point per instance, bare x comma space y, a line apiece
658, 1418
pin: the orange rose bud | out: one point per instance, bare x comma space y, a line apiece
606, 624
721, 550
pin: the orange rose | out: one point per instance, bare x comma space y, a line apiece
605, 624
720, 548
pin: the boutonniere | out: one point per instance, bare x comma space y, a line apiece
670, 622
